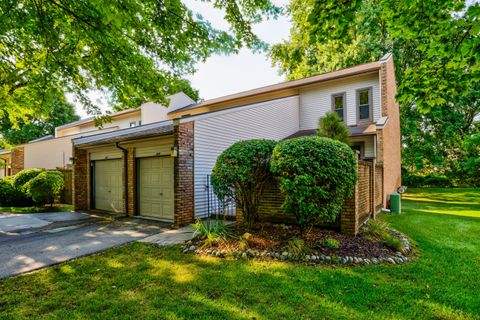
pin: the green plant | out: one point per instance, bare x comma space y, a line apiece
297, 247
376, 229
45, 187
316, 175
11, 196
330, 243
243, 243
240, 174
394, 243
210, 230
24, 176
331, 126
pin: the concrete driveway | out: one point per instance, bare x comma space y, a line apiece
33, 241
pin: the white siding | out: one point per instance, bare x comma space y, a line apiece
215, 132
369, 142
316, 101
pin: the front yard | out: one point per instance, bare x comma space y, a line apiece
142, 281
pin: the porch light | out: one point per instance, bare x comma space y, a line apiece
173, 151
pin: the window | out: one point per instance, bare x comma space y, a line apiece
338, 104
133, 124
360, 147
364, 103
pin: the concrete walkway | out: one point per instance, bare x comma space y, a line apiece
170, 237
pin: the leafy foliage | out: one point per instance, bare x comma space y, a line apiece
240, 174
132, 50
330, 243
297, 247
331, 126
10, 195
25, 176
316, 175
210, 231
429, 180
45, 187
37, 125
376, 229
394, 243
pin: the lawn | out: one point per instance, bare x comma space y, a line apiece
55, 208
140, 281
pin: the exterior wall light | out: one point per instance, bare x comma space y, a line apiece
174, 151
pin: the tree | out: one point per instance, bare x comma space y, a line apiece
240, 174
38, 125
316, 175
331, 126
133, 50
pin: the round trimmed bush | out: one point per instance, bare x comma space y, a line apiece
316, 175
24, 176
11, 196
45, 187
240, 174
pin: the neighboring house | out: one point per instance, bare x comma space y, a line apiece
51, 152
160, 169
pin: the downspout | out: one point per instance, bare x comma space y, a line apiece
125, 172
4, 167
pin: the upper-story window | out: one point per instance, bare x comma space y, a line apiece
364, 104
338, 104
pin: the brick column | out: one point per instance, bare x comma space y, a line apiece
184, 178
349, 223
372, 189
132, 182
18, 160
80, 192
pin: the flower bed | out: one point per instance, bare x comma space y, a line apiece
285, 242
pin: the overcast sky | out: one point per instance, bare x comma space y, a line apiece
223, 75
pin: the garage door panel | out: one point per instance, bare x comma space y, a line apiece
155, 187
108, 185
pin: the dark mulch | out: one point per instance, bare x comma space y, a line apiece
269, 236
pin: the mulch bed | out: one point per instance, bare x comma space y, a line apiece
274, 237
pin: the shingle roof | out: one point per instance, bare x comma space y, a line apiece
144, 131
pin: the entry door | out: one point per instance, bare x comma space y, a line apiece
108, 185
155, 187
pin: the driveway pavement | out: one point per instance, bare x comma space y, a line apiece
33, 241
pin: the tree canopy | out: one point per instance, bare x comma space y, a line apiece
133, 50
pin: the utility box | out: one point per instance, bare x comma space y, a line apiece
395, 203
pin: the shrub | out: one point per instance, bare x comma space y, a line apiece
25, 176
330, 243
316, 175
376, 229
240, 174
297, 247
210, 231
429, 180
394, 243
45, 187
331, 126
11, 196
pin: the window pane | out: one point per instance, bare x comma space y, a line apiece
338, 102
340, 113
364, 97
364, 112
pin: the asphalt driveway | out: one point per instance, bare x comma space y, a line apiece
33, 241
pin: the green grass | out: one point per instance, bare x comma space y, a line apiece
140, 281
55, 208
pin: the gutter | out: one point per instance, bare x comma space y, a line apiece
125, 172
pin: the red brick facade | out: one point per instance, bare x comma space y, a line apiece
18, 160
81, 180
184, 177
132, 182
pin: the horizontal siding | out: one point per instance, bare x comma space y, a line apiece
274, 119
369, 142
106, 153
316, 101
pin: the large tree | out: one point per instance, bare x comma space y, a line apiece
37, 125
437, 52
133, 50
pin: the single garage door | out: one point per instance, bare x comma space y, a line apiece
155, 187
108, 185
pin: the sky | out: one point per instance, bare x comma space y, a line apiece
223, 75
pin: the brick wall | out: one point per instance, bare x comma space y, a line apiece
132, 182
379, 187
80, 191
389, 145
18, 160
184, 179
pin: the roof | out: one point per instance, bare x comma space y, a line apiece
354, 131
5, 151
286, 87
144, 131
49, 137
92, 119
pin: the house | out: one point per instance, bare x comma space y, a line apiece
160, 169
55, 151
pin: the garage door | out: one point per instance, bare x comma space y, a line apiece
155, 188
108, 185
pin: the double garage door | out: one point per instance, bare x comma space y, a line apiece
155, 195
